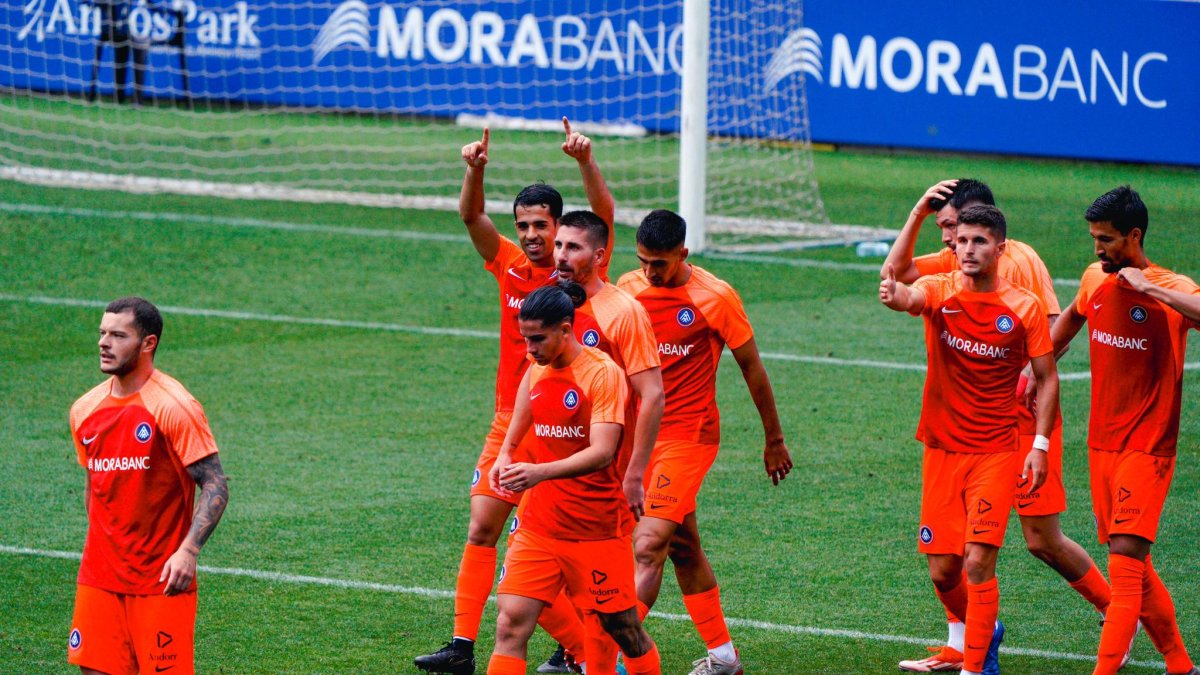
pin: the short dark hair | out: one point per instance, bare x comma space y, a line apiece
966, 192
986, 215
551, 305
593, 224
146, 317
539, 194
662, 230
1123, 207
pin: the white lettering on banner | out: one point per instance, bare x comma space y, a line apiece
107, 464
973, 347
1120, 341
558, 431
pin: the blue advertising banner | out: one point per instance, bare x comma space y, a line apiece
1106, 79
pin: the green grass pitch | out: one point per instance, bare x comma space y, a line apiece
350, 445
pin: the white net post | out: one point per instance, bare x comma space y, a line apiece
693, 122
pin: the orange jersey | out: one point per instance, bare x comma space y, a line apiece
976, 345
141, 496
692, 324
1137, 348
565, 403
1021, 266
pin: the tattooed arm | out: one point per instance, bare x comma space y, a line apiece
214, 495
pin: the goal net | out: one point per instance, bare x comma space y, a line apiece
369, 101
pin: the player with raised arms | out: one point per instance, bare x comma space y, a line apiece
146, 445
574, 519
1039, 510
980, 331
694, 315
1139, 315
518, 270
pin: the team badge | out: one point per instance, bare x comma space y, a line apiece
475, 478
926, 535
76, 639
571, 399
143, 433
685, 317
1004, 323
515, 524
1138, 314
591, 337
503, 571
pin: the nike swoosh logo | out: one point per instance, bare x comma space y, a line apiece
1123, 520
159, 669
88, 441
533, 396
514, 273
1023, 504
979, 531
601, 602
657, 506
950, 311
1096, 305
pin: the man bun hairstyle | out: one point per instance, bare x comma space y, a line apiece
146, 317
1123, 207
967, 191
662, 230
552, 305
594, 225
987, 216
539, 194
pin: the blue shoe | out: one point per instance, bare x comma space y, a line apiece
991, 662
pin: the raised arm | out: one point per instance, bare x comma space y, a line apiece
901, 255
898, 296
180, 568
600, 200
776, 458
471, 205
1184, 303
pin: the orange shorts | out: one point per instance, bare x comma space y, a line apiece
1051, 497
597, 575
1129, 489
124, 634
480, 485
965, 498
674, 476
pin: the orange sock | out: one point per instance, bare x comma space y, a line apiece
1120, 621
646, 664
476, 574
505, 665
1094, 588
562, 623
600, 651
954, 601
1158, 618
983, 606
643, 610
705, 610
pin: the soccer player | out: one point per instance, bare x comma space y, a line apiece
518, 269
574, 520
1139, 315
146, 445
694, 315
980, 330
1039, 510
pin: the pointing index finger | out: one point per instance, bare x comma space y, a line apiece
567, 126
486, 136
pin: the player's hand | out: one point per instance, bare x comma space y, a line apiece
577, 145
521, 476
179, 571
1035, 469
635, 494
777, 460
887, 287
475, 154
494, 474
1135, 278
1027, 389
942, 190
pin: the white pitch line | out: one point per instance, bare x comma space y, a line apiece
468, 333
348, 584
412, 235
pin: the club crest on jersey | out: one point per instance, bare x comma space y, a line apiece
76, 639
686, 317
926, 535
591, 337
515, 524
475, 478
1004, 323
503, 571
571, 399
143, 433
1138, 314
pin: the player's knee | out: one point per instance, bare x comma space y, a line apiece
627, 632
483, 533
650, 550
945, 577
507, 629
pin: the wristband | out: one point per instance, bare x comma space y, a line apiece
1042, 443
